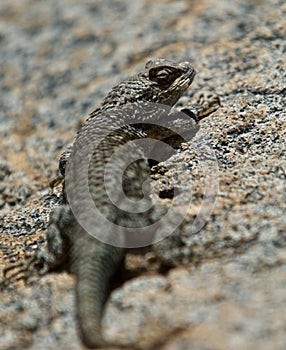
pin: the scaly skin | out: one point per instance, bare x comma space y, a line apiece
93, 261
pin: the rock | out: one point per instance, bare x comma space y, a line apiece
57, 61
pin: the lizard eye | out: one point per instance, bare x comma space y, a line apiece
162, 75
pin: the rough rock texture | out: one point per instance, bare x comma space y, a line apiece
57, 60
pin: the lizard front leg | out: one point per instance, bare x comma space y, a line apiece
203, 105
172, 250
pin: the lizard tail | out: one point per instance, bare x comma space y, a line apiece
93, 269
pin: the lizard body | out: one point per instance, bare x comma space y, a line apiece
91, 260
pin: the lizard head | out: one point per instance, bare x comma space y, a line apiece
168, 80
162, 82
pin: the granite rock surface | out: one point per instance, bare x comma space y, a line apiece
57, 60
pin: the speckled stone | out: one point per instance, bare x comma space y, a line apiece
57, 60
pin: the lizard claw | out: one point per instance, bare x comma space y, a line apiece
23, 270
204, 105
57, 181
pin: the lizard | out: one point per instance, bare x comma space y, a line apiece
69, 243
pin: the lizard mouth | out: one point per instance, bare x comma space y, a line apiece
189, 76
183, 82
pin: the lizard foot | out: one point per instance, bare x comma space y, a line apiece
204, 105
57, 181
24, 269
